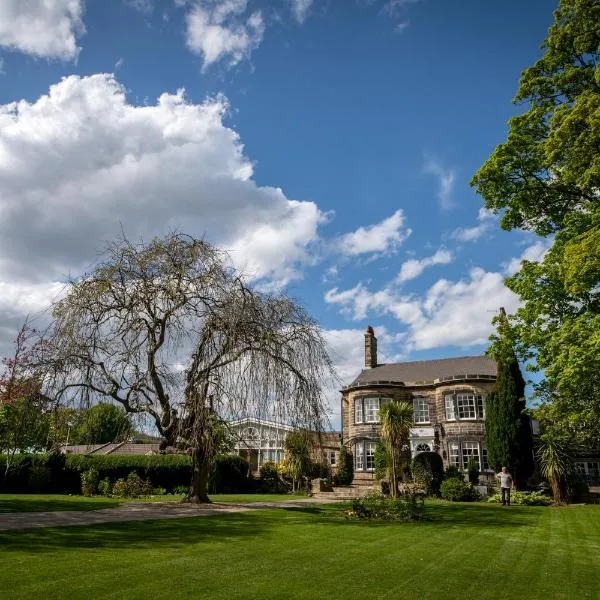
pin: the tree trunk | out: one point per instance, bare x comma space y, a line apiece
198, 493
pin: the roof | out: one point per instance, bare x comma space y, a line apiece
119, 448
429, 371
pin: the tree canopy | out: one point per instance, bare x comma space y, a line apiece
545, 178
169, 329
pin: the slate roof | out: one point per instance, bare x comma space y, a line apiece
428, 371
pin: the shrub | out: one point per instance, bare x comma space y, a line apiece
132, 487
158, 491
473, 471
381, 508
381, 460
453, 473
181, 490
345, 471
230, 474
120, 488
105, 487
428, 471
457, 490
89, 482
524, 498
40, 478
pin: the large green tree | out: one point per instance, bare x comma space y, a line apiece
103, 423
545, 178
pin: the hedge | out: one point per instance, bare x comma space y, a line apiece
61, 473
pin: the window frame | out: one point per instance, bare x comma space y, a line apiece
364, 456
453, 409
418, 403
369, 415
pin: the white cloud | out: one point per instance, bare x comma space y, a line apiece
533, 253
143, 6
81, 161
219, 30
472, 234
414, 267
301, 8
43, 28
447, 314
384, 237
446, 179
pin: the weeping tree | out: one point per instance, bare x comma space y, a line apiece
170, 331
396, 422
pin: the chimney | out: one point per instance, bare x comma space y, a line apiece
370, 348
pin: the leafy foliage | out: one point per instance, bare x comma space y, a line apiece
89, 482
524, 498
428, 471
345, 469
555, 463
458, 490
545, 178
378, 507
396, 422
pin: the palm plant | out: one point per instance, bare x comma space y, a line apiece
555, 464
396, 422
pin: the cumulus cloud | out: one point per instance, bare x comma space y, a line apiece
472, 234
449, 313
222, 30
446, 179
42, 28
533, 253
301, 8
414, 267
384, 237
81, 162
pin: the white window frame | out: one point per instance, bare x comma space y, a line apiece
359, 456
358, 411
421, 410
364, 456
422, 447
466, 401
370, 456
450, 409
470, 450
371, 409
454, 455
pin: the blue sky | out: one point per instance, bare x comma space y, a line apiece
327, 144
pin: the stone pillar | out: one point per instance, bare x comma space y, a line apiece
370, 348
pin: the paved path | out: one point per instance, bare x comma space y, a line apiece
134, 511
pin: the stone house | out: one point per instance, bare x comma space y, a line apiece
448, 396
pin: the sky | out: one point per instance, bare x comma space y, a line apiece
326, 144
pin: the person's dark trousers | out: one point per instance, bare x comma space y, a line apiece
505, 496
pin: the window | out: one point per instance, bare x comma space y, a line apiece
484, 459
331, 458
371, 410
454, 457
359, 456
421, 410
364, 456
465, 405
470, 450
366, 410
358, 410
450, 415
422, 448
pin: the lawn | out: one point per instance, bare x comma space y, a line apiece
57, 502
476, 551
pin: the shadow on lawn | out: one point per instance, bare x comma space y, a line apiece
33, 504
167, 533
183, 532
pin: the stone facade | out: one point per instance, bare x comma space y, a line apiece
449, 400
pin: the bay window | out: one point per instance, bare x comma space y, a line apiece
366, 410
364, 455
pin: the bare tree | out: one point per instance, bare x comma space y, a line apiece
169, 330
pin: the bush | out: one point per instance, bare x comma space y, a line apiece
473, 471
381, 508
40, 478
132, 487
428, 471
89, 482
105, 487
524, 498
345, 471
158, 491
270, 480
230, 474
453, 473
457, 490
181, 490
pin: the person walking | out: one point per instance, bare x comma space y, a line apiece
506, 482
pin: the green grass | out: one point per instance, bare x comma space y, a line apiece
57, 502
476, 551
